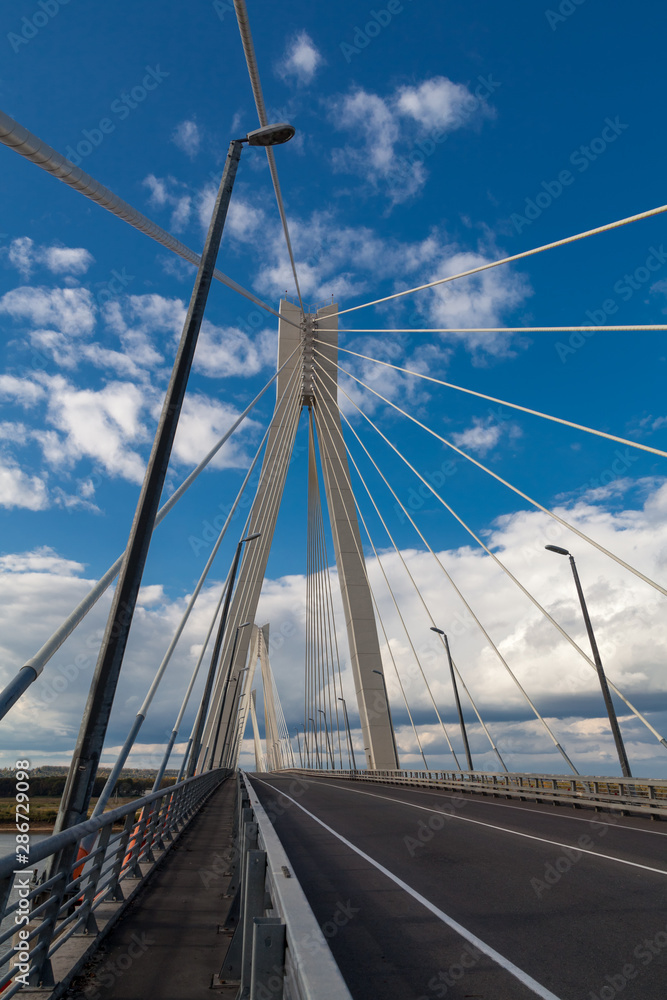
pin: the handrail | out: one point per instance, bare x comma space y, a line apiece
82, 881
644, 796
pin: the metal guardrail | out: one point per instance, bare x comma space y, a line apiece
278, 949
645, 797
46, 915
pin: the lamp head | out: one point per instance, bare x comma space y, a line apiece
270, 135
438, 630
557, 548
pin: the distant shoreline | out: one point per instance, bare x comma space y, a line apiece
37, 828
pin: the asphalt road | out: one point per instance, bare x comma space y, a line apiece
424, 894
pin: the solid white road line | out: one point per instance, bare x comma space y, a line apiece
492, 826
514, 970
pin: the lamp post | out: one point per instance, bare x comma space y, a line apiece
306, 746
456, 696
87, 753
216, 728
317, 744
226, 754
326, 733
391, 721
606, 694
298, 741
206, 696
349, 736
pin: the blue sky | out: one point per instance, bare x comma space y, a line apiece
548, 121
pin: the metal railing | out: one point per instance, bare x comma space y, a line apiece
641, 796
44, 916
278, 950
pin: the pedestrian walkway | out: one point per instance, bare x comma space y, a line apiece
167, 946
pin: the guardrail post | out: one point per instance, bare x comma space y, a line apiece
253, 906
90, 880
115, 892
268, 959
135, 850
41, 971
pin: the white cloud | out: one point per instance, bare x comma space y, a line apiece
223, 352
481, 300
168, 191
20, 390
67, 260
37, 591
484, 435
41, 560
18, 489
437, 103
24, 255
301, 59
157, 188
102, 425
67, 310
347, 261
138, 320
181, 214
202, 424
21, 255
187, 137
395, 135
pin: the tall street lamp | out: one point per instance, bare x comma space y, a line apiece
611, 712
456, 696
326, 733
306, 745
87, 753
208, 687
349, 735
226, 752
317, 742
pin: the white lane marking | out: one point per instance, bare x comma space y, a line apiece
491, 826
505, 963
483, 801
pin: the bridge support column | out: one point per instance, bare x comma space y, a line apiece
263, 518
376, 724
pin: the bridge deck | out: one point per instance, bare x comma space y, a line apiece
167, 945
514, 876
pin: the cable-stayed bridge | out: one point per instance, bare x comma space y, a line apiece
333, 871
